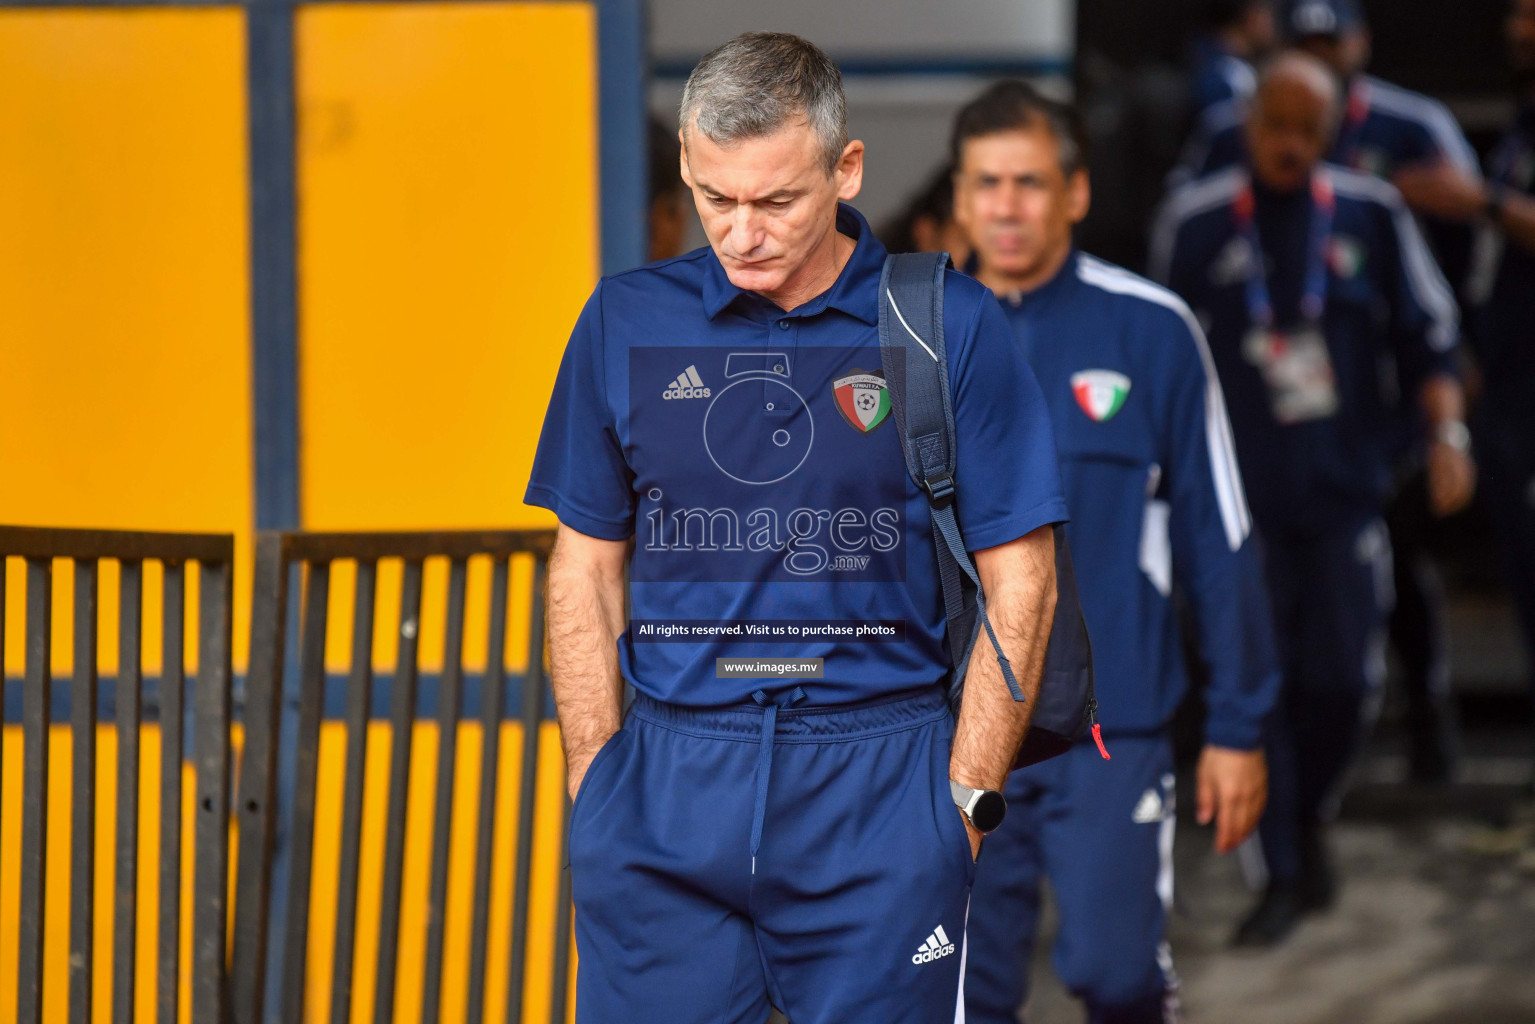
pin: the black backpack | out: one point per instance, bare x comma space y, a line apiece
917, 378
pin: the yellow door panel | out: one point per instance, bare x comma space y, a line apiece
124, 321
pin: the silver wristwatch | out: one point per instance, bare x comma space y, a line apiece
984, 808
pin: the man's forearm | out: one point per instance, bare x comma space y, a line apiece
1020, 598
1516, 216
1442, 400
585, 618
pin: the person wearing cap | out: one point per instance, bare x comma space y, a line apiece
1157, 501
1383, 127
789, 813
1312, 278
1414, 141
1236, 33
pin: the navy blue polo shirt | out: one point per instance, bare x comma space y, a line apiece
751, 455
1389, 322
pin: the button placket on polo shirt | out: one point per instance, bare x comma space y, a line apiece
780, 367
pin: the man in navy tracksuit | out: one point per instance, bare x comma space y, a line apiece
1326, 316
1398, 135
1151, 477
789, 813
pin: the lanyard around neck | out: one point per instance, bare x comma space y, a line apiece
1345, 148
1260, 303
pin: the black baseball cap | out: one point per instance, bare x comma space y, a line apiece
1321, 17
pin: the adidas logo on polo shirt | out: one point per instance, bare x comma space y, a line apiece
687, 385
936, 947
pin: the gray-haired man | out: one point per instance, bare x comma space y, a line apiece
779, 834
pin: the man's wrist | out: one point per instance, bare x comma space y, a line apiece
983, 809
1454, 434
1494, 198
972, 779
1223, 748
583, 748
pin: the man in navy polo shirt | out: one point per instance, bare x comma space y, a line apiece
1326, 318
759, 833
1156, 498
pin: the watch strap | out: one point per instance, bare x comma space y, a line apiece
964, 796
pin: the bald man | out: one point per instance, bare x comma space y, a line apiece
1328, 322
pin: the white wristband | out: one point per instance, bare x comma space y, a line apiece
1455, 434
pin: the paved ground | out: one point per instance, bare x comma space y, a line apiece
1435, 923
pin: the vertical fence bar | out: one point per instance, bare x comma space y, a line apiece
492, 691
130, 597
311, 697
359, 688
82, 853
210, 747
35, 717
36, 723
172, 685
258, 779
560, 985
402, 716
2, 691
449, 694
532, 719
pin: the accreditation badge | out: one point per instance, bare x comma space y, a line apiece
1298, 371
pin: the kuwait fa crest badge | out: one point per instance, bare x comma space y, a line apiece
1100, 393
862, 398
1345, 256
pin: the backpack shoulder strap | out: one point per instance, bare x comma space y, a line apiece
915, 362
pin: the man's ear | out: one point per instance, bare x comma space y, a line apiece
849, 170
961, 212
1079, 196
682, 158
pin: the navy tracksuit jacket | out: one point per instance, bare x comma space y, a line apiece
1318, 482
1385, 127
1150, 473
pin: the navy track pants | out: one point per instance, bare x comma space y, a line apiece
1102, 831
850, 910
1331, 594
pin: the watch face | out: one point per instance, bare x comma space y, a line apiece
988, 811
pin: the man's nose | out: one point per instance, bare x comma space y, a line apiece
1011, 205
745, 229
